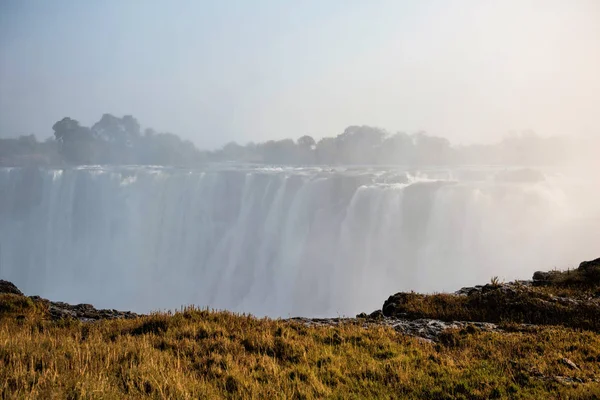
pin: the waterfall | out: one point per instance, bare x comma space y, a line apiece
282, 241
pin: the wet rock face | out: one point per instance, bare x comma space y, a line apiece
9, 287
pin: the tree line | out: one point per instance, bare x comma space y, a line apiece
114, 140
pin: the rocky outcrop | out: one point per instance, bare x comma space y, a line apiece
9, 287
85, 312
510, 286
542, 278
521, 303
570, 299
476, 308
587, 274
431, 329
424, 328
588, 266
58, 310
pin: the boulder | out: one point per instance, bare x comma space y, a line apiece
589, 265
58, 310
591, 271
396, 302
85, 312
377, 314
9, 287
469, 290
541, 278
509, 287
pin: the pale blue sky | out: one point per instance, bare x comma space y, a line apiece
215, 71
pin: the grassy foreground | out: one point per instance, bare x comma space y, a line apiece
202, 354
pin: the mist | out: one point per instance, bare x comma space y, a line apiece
213, 73
294, 159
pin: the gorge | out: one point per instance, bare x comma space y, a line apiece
284, 241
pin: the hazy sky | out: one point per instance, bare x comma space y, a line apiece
217, 71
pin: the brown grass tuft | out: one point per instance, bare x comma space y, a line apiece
202, 354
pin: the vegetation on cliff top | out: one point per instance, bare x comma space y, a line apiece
569, 298
205, 354
114, 140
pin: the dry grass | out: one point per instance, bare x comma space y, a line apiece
21, 307
587, 279
569, 298
528, 305
201, 354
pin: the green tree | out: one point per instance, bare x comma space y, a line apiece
75, 141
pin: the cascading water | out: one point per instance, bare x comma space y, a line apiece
280, 242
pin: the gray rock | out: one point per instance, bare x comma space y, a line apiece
426, 329
469, 290
432, 328
391, 305
541, 276
85, 312
9, 287
377, 314
569, 363
567, 380
589, 265
481, 289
